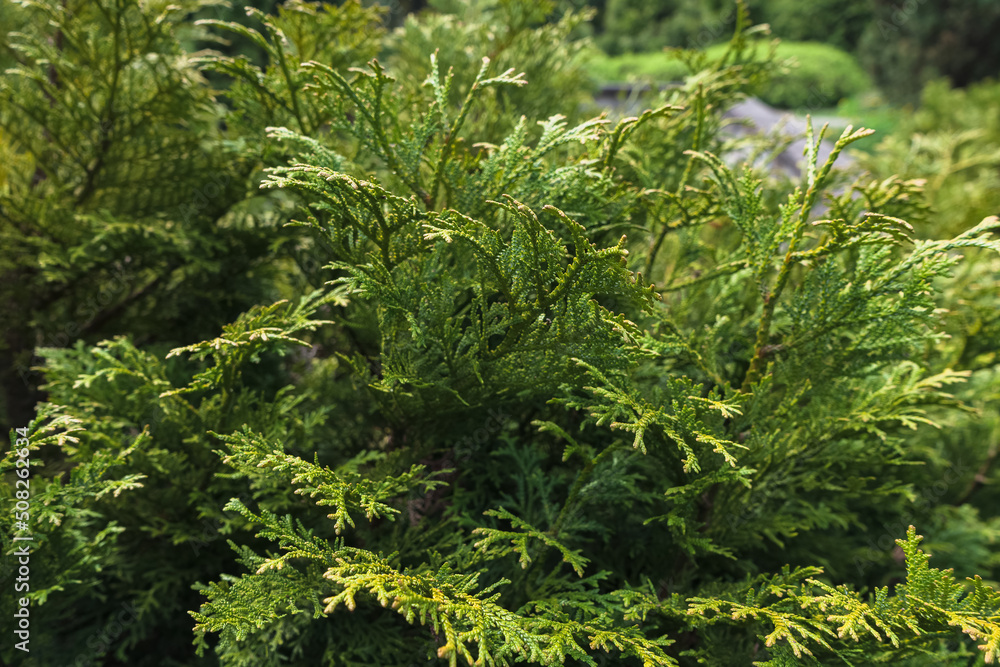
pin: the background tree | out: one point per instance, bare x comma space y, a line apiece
911, 43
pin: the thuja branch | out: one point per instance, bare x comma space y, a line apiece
699, 113
581, 480
507, 77
815, 183
374, 118
293, 88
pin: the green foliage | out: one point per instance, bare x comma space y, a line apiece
901, 45
806, 613
908, 45
447, 601
814, 75
149, 434
346, 490
542, 390
300, 32
526, 37
630, 26
818, 75
122, 205
950, 146
952, 143
869, 109
839, 23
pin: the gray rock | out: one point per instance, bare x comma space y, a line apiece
748, 118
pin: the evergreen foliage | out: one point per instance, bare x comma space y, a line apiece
542, 389
952, 144
123, 207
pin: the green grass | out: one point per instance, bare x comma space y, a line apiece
869, 110
658, 67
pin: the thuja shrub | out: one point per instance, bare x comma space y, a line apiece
584, 394
123, 206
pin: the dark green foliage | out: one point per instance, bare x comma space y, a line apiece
630, 26
902, 44
839, 23
273, 93
911, 43
543, 389
122, 205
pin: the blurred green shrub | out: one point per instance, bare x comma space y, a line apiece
913, 42
839, 23
902, 44
817, 75
953, 142
627, 26
820, 76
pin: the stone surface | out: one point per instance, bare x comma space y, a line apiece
749, 117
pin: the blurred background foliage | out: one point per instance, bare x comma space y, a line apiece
170, 249
901, 44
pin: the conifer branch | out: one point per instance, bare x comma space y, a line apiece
815, 183
373, 112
